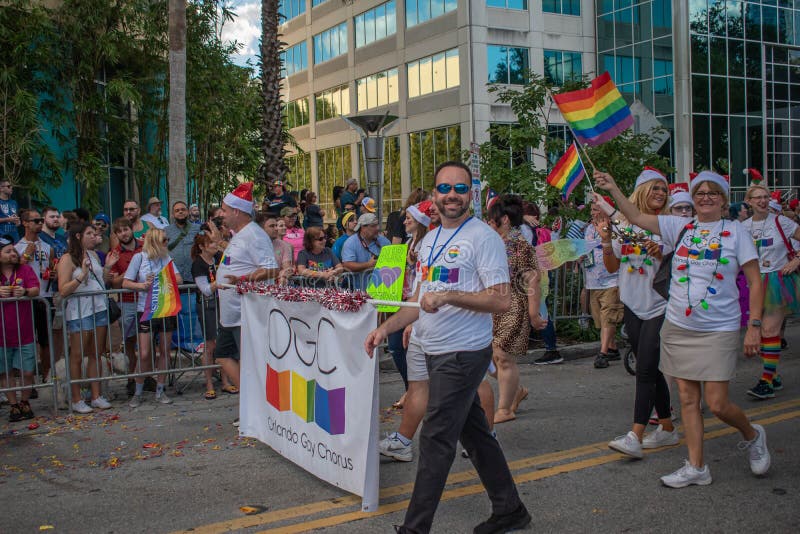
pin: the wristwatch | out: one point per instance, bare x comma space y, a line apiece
755, 323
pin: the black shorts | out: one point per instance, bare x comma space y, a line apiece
229, 341
207, 314
41, 311
155, 326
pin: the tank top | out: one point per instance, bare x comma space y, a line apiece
80, 307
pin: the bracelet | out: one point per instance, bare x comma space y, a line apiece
606, 245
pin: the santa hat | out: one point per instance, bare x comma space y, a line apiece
241, 198
793, 204
711, 176
681, 197
677, 187
755, 175
776, 196
648, 175
421, 212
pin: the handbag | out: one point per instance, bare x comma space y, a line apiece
663, 277
786, 242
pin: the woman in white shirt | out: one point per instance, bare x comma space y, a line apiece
142, 270
700, 342
79, 271
778, 264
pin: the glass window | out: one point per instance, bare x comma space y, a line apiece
330, 43
378, 89
419, 11
377, 23
317, 2
295, 59
334, 167
296, 113
433, 73
508, 4
561, 66
453, 77
413, 79
561, 7
429, 148
392, 194
299, 176
425, 76
507, 64
289, 9
332, 103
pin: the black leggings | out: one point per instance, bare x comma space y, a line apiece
651, 387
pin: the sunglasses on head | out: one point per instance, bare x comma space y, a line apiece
446, 188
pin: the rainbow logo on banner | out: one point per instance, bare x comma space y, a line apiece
163, 298
290, 391
598, 113
567, 172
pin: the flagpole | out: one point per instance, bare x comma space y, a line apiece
589, 181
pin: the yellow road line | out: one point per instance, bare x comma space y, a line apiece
310, 509
475, 489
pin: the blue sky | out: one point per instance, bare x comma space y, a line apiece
245, 28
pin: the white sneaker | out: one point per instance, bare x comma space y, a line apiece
627, 444
757, 451
135, 401
392, 447
660, 438
81, 407
3, 399
688, 475
162, 398
101, 403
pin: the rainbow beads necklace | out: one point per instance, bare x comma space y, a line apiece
697, 241
637, 249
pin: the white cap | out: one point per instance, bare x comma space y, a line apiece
680, 197
648, 175
710, 176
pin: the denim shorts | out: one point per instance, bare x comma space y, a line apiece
90, 322
22, 358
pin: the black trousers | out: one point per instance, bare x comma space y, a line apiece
454, 412
651, 386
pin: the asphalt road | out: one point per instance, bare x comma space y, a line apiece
183, 467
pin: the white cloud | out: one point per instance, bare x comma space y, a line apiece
244, 29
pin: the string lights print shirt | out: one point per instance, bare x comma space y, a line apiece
470, 258
772, 253
704, 267
636, 274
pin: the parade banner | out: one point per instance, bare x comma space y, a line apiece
386, 282
310, 392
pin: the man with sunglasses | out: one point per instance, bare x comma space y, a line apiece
361, 250
38, 255
463, 278
132, 212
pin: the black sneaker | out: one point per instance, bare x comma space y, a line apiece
613, 355
517, 519
777, 383
601, 361
150, 384
549, 357
763, 390
130, 388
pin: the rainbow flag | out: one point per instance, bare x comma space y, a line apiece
554, 254
598, 113
567, 172
163, 299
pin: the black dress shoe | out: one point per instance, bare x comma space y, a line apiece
498, 524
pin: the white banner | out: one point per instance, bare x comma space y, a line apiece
310, 392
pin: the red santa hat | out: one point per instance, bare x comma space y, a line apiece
679, 186
776, 196
711, 176
755, 175
241, 198
649, 174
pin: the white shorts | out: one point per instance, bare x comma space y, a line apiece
416, 368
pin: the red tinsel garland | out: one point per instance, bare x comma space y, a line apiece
330, 298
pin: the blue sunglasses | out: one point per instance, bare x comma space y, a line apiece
446, 188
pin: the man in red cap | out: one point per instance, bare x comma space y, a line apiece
249, 256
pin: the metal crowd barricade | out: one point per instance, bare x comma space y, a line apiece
183, 355
12, 365
566, 285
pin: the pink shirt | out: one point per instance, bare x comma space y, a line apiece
294, 236
17, 318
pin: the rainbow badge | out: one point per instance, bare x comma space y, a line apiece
163, 298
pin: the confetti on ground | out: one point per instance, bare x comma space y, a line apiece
252, 509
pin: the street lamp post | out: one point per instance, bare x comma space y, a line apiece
372, 128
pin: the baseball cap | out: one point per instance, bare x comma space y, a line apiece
103, 217
153, 200
366, 219
368, 204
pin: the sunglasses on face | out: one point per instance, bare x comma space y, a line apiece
37, 220
461, 189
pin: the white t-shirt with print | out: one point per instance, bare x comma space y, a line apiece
250, 249
723, 313
39, 263
635, 286
594, 270
471, 260
772, 252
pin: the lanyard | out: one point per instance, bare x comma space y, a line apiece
435, 239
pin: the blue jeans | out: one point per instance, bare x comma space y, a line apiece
399, 354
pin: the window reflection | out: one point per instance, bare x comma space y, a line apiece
429, 148
419, 11
330, 43
378, 89
507, 64
433, 73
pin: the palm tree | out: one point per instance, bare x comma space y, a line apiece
273, 134
177, 101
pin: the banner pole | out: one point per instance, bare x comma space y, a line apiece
400, 304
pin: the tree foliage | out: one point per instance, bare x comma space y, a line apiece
519, 155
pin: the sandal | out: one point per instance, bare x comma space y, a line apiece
233, 390
210, 394
15, 414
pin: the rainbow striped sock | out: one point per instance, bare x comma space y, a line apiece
770, 355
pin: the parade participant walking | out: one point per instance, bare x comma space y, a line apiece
463, 279
144, 267
637, 262
153, 216
778, 264
700, 337
248, 256
79, 271
511, 328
